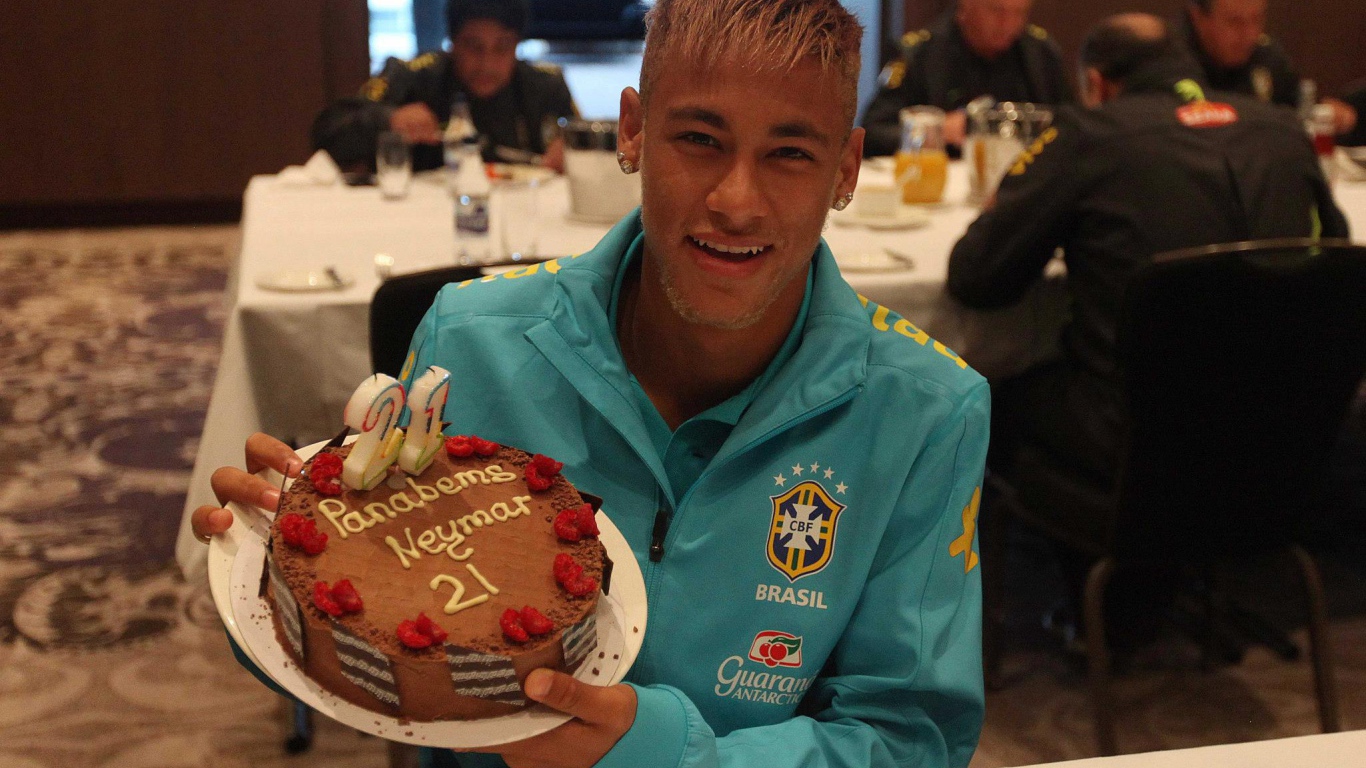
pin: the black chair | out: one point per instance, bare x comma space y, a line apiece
397, 308
1239, 364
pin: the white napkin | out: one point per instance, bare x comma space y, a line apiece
320, 170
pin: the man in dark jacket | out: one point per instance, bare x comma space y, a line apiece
1352, 133
1156, 164
1229, 40
510, 101
981, 47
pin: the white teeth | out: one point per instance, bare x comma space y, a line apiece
750, 249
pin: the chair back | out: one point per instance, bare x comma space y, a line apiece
1240, 362
397, 308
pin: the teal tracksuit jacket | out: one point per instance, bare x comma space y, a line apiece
836, 520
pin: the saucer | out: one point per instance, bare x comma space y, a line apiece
872, 261
304, 280
906, 217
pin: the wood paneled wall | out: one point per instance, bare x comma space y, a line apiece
164, 101
1326, 39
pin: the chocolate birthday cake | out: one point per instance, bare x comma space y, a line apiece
431, 596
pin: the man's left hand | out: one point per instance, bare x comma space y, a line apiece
1344, 117
601, 717
554, 156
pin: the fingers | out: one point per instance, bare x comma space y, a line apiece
955, 127
264, 451
554, 156
232, 484
614, 706
1344, 116
601, 716
559, 691
416, 123
207, 521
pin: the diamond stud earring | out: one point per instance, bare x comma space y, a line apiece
843, 201
627, 167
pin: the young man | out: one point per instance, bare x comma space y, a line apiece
980, 47
509, 100
708, 372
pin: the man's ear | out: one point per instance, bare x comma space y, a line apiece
1093, 91
631, 126
850, 162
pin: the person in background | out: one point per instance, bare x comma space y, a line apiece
1152, 163
708, 372
1353, 134
349, 130
1229, 40
981, 47
511, 102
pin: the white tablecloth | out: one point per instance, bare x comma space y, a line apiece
1329, 750
291, 360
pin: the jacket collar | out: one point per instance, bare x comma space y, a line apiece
829, 365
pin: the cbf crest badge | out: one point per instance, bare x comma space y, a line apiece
802, 536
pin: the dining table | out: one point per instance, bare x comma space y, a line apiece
296, 337
1320, 750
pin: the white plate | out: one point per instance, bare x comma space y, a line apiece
237, 557
906, 217
303, 281
871, 261
517, 172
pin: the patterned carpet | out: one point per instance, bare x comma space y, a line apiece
109, 659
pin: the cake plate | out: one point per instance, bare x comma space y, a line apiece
236, 560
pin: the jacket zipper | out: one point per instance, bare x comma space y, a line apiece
663, 518
660, 531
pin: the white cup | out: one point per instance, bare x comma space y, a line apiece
876, 200
519, 229
393, 166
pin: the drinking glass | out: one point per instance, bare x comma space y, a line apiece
393, 166
922, 164
519, 227
996, 137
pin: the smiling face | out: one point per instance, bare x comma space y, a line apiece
738, 171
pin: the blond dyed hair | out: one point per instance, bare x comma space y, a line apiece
759, 35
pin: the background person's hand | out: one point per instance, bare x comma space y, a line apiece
553, 158
956, 128
1344, 117
232, 484
416, 123
601, 717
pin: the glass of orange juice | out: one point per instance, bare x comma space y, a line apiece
922, 164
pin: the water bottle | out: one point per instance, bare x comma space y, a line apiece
459, 131
1309, 96
472, 237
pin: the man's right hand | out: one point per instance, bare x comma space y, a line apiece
232, 484
416, 123
956, 128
